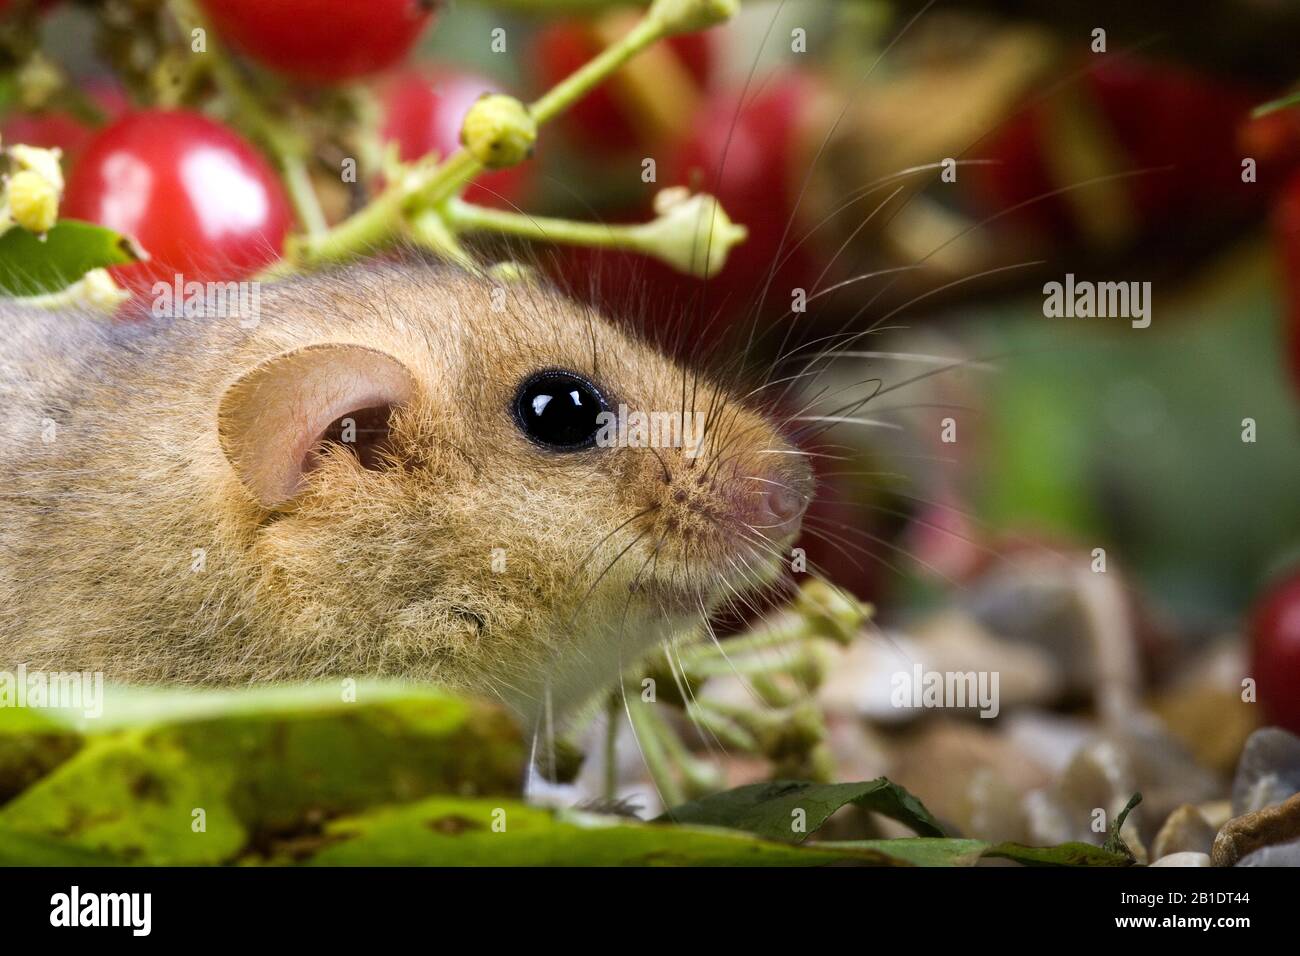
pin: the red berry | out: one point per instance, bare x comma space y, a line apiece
1275, 643
622, 114
322, 40
1272, 139
423, 113
1173, 128
198, 198
1166, 116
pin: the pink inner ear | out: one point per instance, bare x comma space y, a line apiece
368, 443
273, 417
319, 421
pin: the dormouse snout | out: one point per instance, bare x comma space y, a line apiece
781, 507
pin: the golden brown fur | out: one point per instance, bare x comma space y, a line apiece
130, 544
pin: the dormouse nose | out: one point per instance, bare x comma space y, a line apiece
780, 508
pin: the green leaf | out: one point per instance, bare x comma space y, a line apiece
925, 851
123, 798
447, 831
33, 741
32, 265
771, 809
258, 764
21, 849
28, 756
920, 851
403, 776
1064, 854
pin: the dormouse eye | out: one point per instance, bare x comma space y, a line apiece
558, 410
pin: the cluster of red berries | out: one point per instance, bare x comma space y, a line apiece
197, 197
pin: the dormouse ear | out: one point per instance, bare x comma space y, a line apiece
272, 419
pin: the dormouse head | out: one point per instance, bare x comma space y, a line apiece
493, 487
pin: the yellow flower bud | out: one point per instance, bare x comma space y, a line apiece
830, 612
693, 234
100, 292
39, 160
33, 201
499, 131
95, 291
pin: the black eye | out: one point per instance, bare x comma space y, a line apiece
559, 410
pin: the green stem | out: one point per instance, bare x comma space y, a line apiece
613, 720
576, 85
430, 230
302, 193
361, 232
786, 629
721, 725
753, 720
383, 217
769, 691
466, 217
448, 179
695, 773
421, 187
644, 725
748, 666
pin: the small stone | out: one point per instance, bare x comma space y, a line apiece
1050, 739
1100, 776
1104, 773
1186, 831
1038, 607
1085, 621
859, 681
1244, 835
991, 810
955, 641
859, 751
868, 674
1094, 788
1216, 813
1167, 774
1281, 854
955, 763
1048, 820
1268, 772
1211, 722
1184, 859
